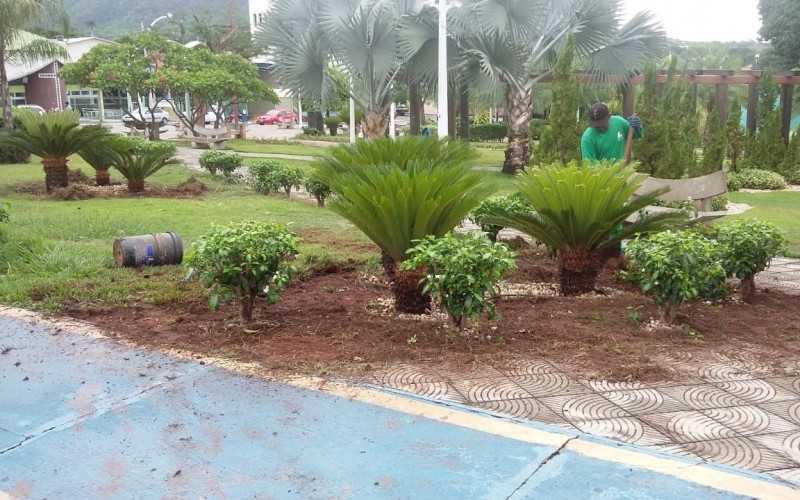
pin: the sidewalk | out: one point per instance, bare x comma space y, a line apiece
85, 417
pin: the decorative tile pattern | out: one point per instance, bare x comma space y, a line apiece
726, 411
489, 389
749, 420
702, 396
525, 408
584, 407
549, 384
739, 452
756, 391
642, 401
688, 426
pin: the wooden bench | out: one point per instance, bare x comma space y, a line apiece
213, 138
701, 190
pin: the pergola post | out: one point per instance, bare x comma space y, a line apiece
787, 94
628, 99
722, 102
752, 108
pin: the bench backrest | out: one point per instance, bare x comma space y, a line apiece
213, 133
697, 188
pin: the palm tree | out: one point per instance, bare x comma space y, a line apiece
311, 38
104, 154
397, 197
579, 212
53, 137
18, 46
143, 159
515, 42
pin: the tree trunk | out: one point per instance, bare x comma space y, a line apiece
56, 173
374, 125
389, 265
748, 289
136, 185
414, 108
518, 113
320, 201
154, 131
463, 111
5, 98
316, 121
246, 311
408, 294
578, 272
102, 177
668, 313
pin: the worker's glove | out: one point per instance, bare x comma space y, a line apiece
635, 123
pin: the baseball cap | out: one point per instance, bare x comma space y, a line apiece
599, 115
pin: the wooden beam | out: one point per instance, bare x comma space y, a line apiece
787, 94
752, 109
628, 100
700, 77
722, 102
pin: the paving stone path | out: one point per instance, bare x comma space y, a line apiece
727, 412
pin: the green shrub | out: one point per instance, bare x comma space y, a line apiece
244, 261
488, 132
537, 126
319, 190
311, 131
4, 215
461, 273
271, 176
747, 247
676, 267
143, 159
752, 178
225, 162
719, 203
513, 203
10, 155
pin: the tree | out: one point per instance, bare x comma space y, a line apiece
516, 42
18, 46
561, 141
781, 27
734, 135
147, 64
766, 149
715, 142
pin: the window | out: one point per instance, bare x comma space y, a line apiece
255, 19
18, 99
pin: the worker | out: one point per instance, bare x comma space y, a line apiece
609, 138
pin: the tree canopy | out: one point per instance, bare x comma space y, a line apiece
781, 27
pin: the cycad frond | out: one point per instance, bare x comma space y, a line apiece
52, 135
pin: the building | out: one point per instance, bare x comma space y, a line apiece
39, 83
259, 9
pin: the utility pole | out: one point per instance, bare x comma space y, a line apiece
443, 107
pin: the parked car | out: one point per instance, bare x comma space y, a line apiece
402, 109
276, 116
32, 108
137, 114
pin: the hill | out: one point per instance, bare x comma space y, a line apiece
112, 18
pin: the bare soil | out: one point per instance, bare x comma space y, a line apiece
83, 188
340, 322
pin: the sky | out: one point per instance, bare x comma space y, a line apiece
703, 20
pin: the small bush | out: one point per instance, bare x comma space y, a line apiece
719, 203
245, 261
514, 203
753, 178
319, 190
461, 273
311, 131
225, 162
10, 155
747, 247
270, 176
676, 267
4, 215
488, 132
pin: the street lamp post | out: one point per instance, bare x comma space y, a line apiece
443, 107
352, 114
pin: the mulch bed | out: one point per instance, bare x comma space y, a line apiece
340, 322
83, 188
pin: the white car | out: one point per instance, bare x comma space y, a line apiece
32, 108
137, 114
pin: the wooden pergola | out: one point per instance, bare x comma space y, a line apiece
722, 80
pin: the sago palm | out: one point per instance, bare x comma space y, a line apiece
138, 164
19, 47
396, 204
580, 213
53, 137
104, 154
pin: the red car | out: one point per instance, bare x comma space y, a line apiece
276, 116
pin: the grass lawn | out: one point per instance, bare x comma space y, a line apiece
781, 208
54, 253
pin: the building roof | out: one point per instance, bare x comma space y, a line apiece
76, 47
